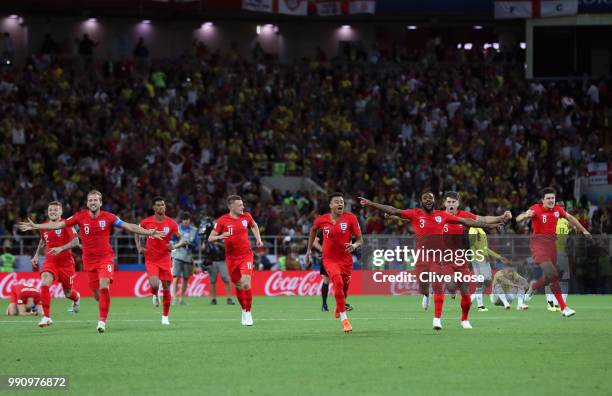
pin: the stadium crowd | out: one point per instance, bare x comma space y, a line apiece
385, 124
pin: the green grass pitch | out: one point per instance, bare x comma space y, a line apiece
295, 349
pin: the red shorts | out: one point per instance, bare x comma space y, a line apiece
104, 269
163, 272
238, 266
337, 268
63, 273
543, 250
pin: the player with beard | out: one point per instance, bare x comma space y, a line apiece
428, 225
95, 228
544, 217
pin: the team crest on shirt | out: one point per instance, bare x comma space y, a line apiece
556, 213
102, 223
58, 232
166, 230
438, 219
343, 226
244, 223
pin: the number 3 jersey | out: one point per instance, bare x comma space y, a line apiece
95, 235
237, 243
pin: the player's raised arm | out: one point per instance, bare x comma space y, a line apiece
136, 229
528, 214
72, 244
495, 219
473, 223
383, 208
30, 225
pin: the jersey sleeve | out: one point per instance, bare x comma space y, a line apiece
72, 220
562, 213
535, 208
449, 218
317, 223
468, 215
115, 220
218, 228
407, 214
249, 219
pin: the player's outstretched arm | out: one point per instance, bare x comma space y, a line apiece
574, 221
136, 229
383, 208
72, 244
476, 223
317, 245
255, 231
495, 219
394, 217
524, 216
30, 225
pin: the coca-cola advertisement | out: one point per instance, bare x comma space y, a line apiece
135, 284
265, 283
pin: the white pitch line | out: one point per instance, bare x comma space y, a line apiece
234, 319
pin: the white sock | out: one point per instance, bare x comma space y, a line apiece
479, 299
565, 298
521, 298
502, 297
342, 315
550, 298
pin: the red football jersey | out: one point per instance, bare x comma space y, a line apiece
58, 238
337, 235
237, 244
458, 228
424, 223
427, 226
544, 221
95, 234
156, 251
20, 294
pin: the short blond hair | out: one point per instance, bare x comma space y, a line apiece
95, 192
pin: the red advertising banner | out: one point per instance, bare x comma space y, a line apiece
265, 283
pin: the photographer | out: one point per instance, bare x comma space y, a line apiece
214, 261
182, 258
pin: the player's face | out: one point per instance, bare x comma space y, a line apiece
549, 201
54, 212
337, 205
237, 207
159, 208
186, 222
451, 205
94, 202
427, 202
508, 271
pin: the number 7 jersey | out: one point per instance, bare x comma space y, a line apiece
337, 235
